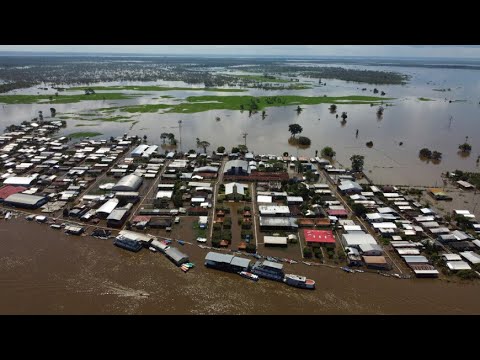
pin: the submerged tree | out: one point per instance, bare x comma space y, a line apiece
465, 147
299, 110
53, 112
164, 136
369, 144
436, 155
333, 108
295, 129
357, 162
344, 115
203, 144
425, 153
328, 152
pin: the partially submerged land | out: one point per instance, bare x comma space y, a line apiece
290, 211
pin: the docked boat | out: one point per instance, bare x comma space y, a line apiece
256, 256
306, 263
269, 270
299, 281
128, 244
272, 259
181, 242
152, 249
248, 275
359, 271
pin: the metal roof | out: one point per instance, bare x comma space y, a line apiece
458, 265
117, 214
241, 262
275, 240
108, 206
175, 254
472, 257
24, 199
273, 265
240, 188
129, 182
415, 259
219, 257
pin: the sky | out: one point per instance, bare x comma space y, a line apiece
396, 51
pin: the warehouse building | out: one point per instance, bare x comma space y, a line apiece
176, 256
129, 182
26, 201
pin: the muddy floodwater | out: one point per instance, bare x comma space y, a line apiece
43, 271
440, 124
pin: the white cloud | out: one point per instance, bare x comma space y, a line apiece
470, 51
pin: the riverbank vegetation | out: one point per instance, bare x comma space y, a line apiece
196, 104
62, 99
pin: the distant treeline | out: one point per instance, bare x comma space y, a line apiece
19, 72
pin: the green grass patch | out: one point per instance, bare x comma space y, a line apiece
425, 99
152, 88
81, 135
80, 125
196, 104
62, 99
118, 118
261, 78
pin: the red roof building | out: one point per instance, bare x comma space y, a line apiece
8, 190
339, 213
319, 237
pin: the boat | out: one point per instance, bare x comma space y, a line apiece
248, 275
268, 270
152, 249
128, 244
347, 269
359, 271
181, 242
397, 276
270, 258
299, 281
306, 263
184, 268
8, 215
256, 256
201, 240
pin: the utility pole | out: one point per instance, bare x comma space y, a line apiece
450, 122
180, 133
245, 137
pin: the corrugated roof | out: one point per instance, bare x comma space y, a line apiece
24, 199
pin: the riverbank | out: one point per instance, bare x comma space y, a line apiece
85, 275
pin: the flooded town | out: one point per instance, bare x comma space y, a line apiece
239, 186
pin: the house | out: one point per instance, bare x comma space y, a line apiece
294, 200
277, 223
106, 209
237, 167
465, 185
19, 180
6, 191
275, 241
357, 238
317, 238
176, 256
349, 187
25, 201
117, 217
274, 210
226, 262
235, 190
371, 249
376, 262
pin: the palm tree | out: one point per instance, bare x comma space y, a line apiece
203, 144
164, 136
171, 138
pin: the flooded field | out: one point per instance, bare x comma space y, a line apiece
47, 272
440, 124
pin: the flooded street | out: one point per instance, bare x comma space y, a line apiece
46, 272
440, 125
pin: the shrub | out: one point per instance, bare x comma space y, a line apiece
359, 209
330, 253
217, 226
216, 242
251, 248
318, 253
466, 274
307, 252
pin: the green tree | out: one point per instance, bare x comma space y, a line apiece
164, 136
425, 153
171, 138
295, 129
436, 155
144, 138
359, 209
221, 149
344, 115
357, 162
242, 148
203, 144
333, 108
327, 151
307, 252
235, 150
305, 141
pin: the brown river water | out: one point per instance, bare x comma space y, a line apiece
43, 271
